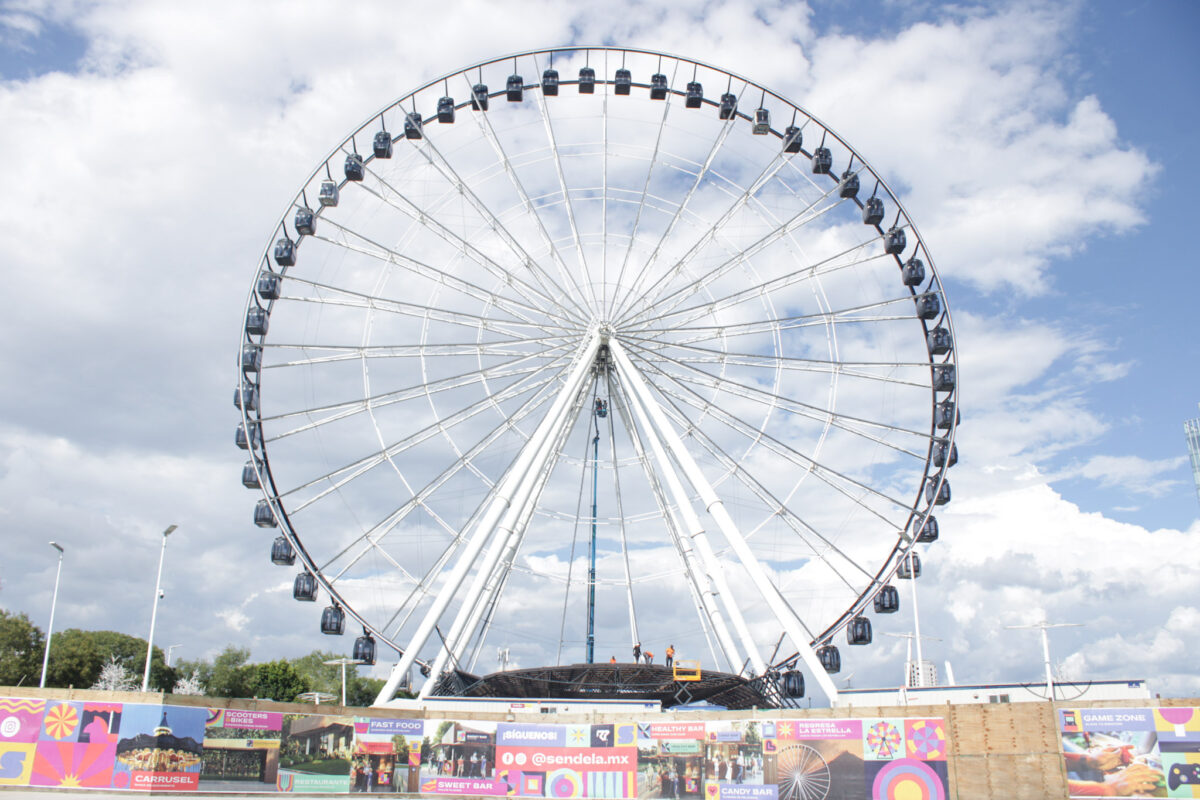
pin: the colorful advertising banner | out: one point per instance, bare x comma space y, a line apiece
1131, 752
241, 750
213, 750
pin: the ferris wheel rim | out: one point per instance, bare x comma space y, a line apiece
889, 566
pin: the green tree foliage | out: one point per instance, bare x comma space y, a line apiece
280, 681
228, 675
77, 657
21, 648
360, 690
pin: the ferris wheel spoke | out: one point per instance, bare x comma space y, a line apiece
546, 283
710, 235
394, 257
664, 303
340, 476
531, 293
568, 203
528, 347
569, 287
501, 370
835, 479
850, 369
348, 298
841, 316
753, 293
634, 289
803, 529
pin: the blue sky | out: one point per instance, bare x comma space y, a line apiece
145, 175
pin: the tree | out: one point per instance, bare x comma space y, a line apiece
21, 648
189, 685
279, 681
77, 657
228, 675
114, 677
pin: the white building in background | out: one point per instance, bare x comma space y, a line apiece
1065, 691
921, 673
1192, 428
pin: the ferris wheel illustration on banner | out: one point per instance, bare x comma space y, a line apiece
583, 348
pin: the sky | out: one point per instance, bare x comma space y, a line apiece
1045, 151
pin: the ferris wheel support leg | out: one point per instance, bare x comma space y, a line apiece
698, 581
499, 557
694, 527
500, 499
716, 508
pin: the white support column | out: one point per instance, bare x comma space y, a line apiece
501, 498
509, 534
698, 579
694, 528
716, 508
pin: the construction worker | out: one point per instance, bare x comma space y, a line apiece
637, 652
612, 660
649, 657
670, 654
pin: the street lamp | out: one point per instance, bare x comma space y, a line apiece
53, 603
171, 649
343, 661
154, 613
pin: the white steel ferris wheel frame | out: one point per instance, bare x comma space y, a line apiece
595, 330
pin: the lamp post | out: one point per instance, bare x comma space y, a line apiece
170, 650
343, 661
154, 613
53, 603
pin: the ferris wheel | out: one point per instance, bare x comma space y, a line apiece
583, 348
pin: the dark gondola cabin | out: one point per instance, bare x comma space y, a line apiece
849, 185
549, 85
830, 658
894, 241
514, 89
945, 415
929, 531
695, 95
285, 252
257, 321
587, 80
762, 122
793, 683
939, 341
658, 86
333, 621
445, 110
793, 139
251, 358
268, 286
943, 378
623, 82
245, 398
858, 632
282, 552
935, 495
479, 97
887, 601
263, 516
928, 306
305, 221
945, 455
328, 195
822, 161
873, 211
910, 567
382, 145
364, 648
305, 587
247, 436
913, 272
250, 476
413, 126
354, 167
728, 107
